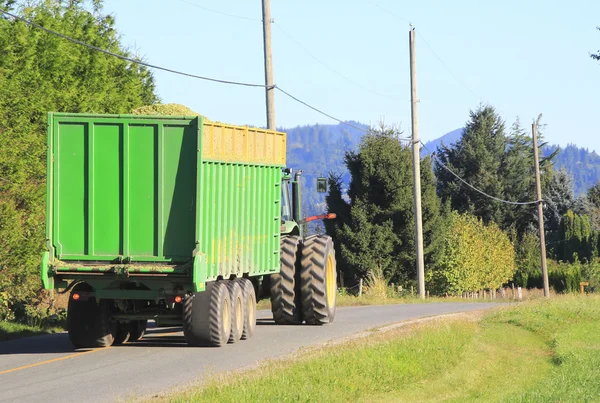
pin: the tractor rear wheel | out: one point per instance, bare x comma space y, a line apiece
207, 316
318, 280
88, 322
249, 299
285, 290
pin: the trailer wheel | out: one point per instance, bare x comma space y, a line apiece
123, 333
249, 299
88, 322
285, 290
237, 311
207, 316
318, 280
130, 331
137, 329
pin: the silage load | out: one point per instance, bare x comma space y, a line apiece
165, 110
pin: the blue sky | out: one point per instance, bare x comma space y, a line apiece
523, 57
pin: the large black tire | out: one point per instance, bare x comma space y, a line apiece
237, 311
285, 289
318, 280
123, 333
138, 329
249, 299
88, 322
130, 331
207, 316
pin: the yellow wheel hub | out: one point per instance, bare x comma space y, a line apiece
330, 281
239, 314
226, 318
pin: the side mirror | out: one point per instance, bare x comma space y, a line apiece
322, 185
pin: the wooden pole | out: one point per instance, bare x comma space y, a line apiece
540, 206
416, 166
270, 89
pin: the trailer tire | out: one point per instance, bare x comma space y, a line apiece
137, 329
123, 333
318, 280
88, 322
207, 316
285, 289
237, 311
249, 299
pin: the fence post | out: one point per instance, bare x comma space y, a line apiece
360, 282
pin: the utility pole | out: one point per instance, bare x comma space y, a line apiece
270, 89
538, 187
416, 166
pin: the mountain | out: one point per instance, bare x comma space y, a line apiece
320, 150
582, 164
447, 139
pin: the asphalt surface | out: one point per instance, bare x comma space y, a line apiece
49, 369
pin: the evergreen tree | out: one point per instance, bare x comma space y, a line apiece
558, 199
477, 158
375, 230
40, 72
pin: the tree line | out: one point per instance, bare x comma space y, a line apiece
472, 241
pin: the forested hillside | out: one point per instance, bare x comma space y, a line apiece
319, 150
581, 164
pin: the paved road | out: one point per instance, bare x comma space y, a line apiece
48, 369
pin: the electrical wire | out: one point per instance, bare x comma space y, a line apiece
388, 11
320, 111
430, 48
241, 17
126, 58
448, 68
331, 68
180, 72
473, 187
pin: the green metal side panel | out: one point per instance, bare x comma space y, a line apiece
124, 188
137, 189
240, 219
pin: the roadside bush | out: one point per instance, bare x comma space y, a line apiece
475, 257
562, 276
528, 258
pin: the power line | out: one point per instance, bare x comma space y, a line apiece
331, 68
430, 48
241, 17
388, 11
178, 72
320, 111
448, 68
473, 187
129, 59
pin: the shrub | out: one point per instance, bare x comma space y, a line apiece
475, 257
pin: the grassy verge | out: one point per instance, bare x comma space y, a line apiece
535, 351
11, 330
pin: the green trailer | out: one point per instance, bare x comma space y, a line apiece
169, 218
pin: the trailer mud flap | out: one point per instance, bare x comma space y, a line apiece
47, 281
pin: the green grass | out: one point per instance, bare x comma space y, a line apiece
543, 350
11, 330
